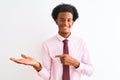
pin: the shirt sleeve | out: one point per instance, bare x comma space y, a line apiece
85, 68
46, 63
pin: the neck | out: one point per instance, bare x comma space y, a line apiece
65, 35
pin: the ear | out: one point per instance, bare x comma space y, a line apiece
56, 21
72, 22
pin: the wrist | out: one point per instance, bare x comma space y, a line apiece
77, 65
37, 66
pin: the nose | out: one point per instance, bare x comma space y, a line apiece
65, 23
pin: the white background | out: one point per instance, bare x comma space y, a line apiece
25, 24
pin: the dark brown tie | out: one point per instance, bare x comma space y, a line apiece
66, 75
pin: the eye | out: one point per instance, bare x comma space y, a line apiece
69, 20
62, 20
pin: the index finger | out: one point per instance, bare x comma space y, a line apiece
60, 56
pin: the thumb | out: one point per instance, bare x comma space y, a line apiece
24, 56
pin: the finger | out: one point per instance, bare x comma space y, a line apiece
14, 59
24, 56
59, 56
66, 54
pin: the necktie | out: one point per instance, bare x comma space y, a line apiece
66, 75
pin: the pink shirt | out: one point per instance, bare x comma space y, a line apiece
52, 67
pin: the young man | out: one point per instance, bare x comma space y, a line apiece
54, 56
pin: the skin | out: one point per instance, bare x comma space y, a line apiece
64, 22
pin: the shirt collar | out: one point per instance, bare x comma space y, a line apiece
62, 38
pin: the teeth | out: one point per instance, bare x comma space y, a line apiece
64, 27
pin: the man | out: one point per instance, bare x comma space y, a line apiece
54, 59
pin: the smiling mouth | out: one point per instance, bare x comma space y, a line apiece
64, 27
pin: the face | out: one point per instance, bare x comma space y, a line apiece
64, 22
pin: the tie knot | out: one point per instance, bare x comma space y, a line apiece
65, 40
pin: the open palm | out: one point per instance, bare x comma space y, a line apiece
26, 60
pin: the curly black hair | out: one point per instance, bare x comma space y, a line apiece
64, 8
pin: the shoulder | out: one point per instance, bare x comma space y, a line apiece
50, 40
76, 38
